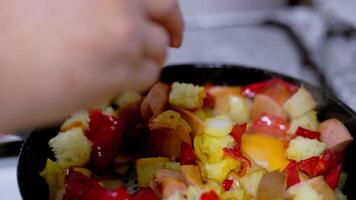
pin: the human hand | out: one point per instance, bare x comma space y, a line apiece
60, 56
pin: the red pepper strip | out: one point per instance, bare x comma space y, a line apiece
145, 194
79, 187
236, 154
227, 183
211, 195
316, 166
291, 171
271, 125
257, 88
332, 178
237, 132
306, 133
187, 156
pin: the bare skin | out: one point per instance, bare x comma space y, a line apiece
57, 57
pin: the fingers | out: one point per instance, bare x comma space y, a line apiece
156, 43
144, 76
168, 14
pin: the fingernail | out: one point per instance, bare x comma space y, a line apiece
176, 42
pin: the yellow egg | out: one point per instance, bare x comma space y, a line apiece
266, 151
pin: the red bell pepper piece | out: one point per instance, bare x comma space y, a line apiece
332, 178
271, 125
79, 187
316, 166
211, 195
145, 194
306, 133
226, 184
237, 132
209, 101
291, 171
259, 87
187, 156
105, 133
236, 154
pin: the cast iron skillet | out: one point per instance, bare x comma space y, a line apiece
35, 150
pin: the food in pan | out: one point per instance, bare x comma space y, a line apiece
182, 141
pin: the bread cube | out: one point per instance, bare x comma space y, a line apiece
186, 95
299, 104
302, 148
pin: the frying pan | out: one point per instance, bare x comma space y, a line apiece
35, 150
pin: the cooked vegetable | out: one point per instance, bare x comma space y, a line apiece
186, 95
299, 104
308, 121
71, 148
262, 141
219, 170
54, 176
302, 148
250, 182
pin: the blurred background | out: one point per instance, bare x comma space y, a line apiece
313, 40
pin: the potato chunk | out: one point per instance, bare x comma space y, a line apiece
299, 104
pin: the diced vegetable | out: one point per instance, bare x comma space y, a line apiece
291, 172
308, 121
80, 187
54, 176
218, 171
211, 149
299, 104
255, 145
187, 156
222, 96
145, 194
186, 95
239, 109
211, 195
250, 182
79, 119
237, 132
218, 126
306, 133
227, 183
302, 148
238, 194
71, 148
271, 125
259, 87
105, 132
235, 153
332, 178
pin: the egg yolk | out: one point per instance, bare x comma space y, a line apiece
266, 151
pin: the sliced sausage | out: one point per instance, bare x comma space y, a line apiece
191, 174
195, 122
167, 182
265, 104
155, 102
335, 135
